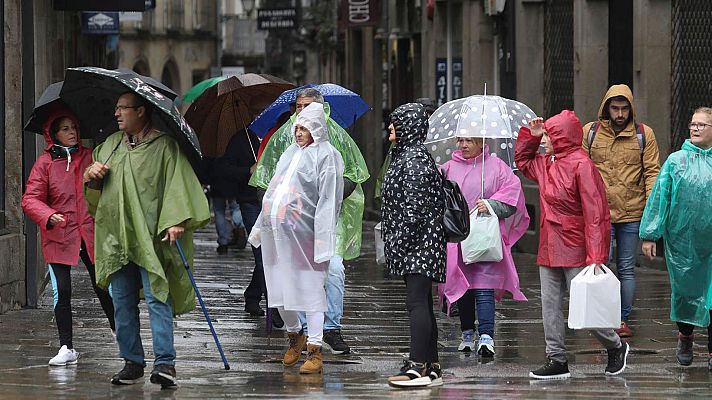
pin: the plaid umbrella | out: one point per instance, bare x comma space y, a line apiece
229, 106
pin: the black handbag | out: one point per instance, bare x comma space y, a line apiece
456, 219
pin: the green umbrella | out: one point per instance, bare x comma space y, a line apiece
200, 87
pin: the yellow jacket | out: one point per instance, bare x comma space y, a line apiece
618, 159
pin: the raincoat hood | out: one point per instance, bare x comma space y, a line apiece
615, 91
565, 131
411, 123
313, 118
59, 113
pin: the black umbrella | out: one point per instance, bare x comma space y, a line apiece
92, 92
43, 108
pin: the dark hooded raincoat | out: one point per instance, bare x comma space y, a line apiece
412, 201
575, 226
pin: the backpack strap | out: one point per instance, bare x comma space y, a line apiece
640, 134
592, 135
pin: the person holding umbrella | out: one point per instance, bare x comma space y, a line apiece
145, 197
53, 201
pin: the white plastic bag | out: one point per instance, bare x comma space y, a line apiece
484, 242
595, 299
380, 247
255, 238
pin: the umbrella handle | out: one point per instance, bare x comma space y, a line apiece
245, 128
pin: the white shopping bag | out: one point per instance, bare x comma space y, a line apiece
255, 238
595, 299
484, 243
380, 247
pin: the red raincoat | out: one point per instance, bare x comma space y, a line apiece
575, 219
51, 188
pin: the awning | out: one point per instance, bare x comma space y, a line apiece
93, 5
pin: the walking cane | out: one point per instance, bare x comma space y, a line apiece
202, 305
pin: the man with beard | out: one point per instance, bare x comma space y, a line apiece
626, 154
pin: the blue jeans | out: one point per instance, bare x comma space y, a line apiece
483, 301
220, 206
125, 286
335, 284
625, 236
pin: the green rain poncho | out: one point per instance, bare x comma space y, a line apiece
146, 191
678, 210
349, 226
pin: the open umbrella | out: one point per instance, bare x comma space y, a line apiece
201, 87
92, 92
494, 119
229, 106
346, 107
50, 100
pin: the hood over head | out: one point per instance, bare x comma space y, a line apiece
313, 118
411, 123
60, 112
615, 91
565, 132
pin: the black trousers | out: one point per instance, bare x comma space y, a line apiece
62, 286
257, 287
423, 326
687, 329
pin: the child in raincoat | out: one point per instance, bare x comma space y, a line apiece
53, 200
298, 233
678, 210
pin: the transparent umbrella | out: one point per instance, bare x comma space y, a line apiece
494, 119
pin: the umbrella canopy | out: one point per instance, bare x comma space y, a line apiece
44, 107
494, 119
346, 107
229, 106
200, 87
92, 92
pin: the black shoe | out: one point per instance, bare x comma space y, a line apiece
239, 238
684, 349
254, 309
334, 341
277, 321
552, 370
617, 359
454, 310
411, 375
436, 374
130, 374
222, 249
164, 375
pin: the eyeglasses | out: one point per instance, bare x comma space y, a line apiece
122, 108
697, 126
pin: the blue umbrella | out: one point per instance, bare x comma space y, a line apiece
346, 107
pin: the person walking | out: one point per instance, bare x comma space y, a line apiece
626, 154
53, 200
412, 210
144, 199
678, 212
298, 233
348, 236
477, 285
575, 230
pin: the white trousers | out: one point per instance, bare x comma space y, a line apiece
315, 324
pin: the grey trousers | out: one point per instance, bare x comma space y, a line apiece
555, 282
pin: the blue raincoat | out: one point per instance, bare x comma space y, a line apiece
678, 210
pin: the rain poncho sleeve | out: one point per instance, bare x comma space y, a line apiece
348, 239
146, 191
678, 210
298, 220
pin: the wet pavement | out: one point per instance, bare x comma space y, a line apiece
375, 326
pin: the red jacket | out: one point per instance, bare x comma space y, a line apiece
575, 226
52, 189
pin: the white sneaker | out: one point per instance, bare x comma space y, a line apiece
485, 347
65, 356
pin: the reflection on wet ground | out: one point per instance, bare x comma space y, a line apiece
375, 325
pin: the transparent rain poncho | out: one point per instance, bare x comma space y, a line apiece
348, 242
678, 210
298, 221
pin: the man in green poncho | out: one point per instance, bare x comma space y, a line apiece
349, 225
144, 198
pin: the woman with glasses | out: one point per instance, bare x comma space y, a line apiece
678, 212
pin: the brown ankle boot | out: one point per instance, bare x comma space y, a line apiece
297, 342
315, 360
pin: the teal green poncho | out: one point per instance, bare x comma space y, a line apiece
146, 191
678, 210
349, 226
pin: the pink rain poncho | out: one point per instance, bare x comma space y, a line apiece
502, 185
